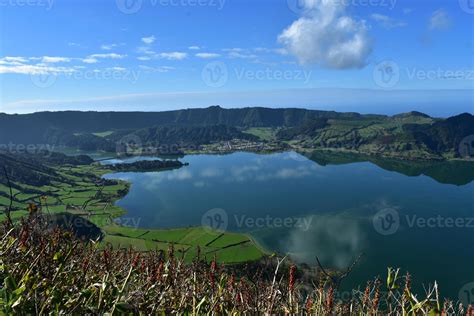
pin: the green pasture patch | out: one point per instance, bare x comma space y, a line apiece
237, 254
264, 133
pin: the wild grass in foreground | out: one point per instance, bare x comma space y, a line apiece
47, 270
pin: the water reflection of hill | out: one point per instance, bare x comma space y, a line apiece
447, 172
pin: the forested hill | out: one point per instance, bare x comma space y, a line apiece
36, 169
32, 127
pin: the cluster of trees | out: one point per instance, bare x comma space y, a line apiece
147, 165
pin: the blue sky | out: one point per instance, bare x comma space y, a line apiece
380, 56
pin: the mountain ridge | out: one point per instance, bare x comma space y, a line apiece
411, 135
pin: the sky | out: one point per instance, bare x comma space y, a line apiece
369, 56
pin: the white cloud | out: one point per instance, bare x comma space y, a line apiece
240, 55
155, 179
346, 235
149, 40
387, 22
161, 69
211, 173
194, 47
279, 51
145, 50
328, 36
288, 173
439, 20
109, 55
18, 65
172, 55
117, 69
207, 55
150, 54
48, 59
243, 56
200, 184
235, 49
92, 59
13, 61
34, 70
143, 58
9, 63
243, 173
108, 46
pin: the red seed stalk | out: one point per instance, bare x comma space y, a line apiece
292, 278
330, 300
212, 276
135, 260
309, 305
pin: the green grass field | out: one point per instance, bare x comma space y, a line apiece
226, 247
264, 133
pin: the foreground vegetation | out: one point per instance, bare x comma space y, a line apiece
44, 269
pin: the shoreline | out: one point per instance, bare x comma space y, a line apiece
299, 150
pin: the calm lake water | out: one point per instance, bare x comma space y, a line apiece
414, 216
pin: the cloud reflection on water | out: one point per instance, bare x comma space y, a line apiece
336, 240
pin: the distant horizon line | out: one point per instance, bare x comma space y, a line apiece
226, 108
434, 102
